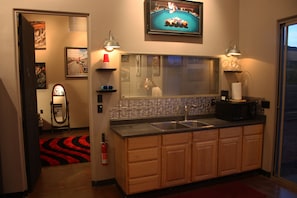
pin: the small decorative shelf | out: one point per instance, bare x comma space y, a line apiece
106, 69
106, 91
232, 71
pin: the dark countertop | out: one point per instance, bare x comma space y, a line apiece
134, 128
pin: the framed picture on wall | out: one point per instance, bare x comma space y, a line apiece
39, 34
76, 62
173, 17
40, 73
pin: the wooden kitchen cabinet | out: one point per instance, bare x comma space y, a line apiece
252, 147
176, 159
230, 151
138, 163
205, 155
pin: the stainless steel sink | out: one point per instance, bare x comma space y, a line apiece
169, 126
179, 125
195, 124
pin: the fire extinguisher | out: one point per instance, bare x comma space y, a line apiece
103, 150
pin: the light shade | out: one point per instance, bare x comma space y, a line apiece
233, 51
111, 44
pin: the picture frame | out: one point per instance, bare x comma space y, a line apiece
76, 62
39, 34
173, 17
40, 73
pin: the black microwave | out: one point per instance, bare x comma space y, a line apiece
234, 111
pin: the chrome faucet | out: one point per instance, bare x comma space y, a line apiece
187, 109
186, 112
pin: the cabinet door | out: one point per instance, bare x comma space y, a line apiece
205, 155
176, 159
252, 147
230, 148
175, 165
204, 160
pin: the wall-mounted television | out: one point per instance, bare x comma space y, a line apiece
174, 17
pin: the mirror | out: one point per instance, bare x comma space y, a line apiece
147, 75
59, 107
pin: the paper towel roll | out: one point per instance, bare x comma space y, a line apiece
236, 91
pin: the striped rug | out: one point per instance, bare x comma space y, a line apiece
65, 150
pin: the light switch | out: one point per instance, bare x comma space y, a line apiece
99, 99
100, 108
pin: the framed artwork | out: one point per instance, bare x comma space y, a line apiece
173, 17
76, 62
39, 34
40, 73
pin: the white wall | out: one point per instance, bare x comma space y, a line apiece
125, 19
259, 44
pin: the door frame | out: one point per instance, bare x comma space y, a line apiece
16, 13
280, 98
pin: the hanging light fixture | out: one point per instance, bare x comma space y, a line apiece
110, 43
233, 51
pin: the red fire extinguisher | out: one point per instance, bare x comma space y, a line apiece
103, 150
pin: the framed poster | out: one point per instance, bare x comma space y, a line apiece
173, 17
40, 73
39, 34
76, 62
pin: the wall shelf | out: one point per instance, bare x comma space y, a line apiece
232, 71
106, 69
106, 91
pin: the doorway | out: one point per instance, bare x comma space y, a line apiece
286, 147
61, 30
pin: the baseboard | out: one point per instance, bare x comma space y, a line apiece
265, 173
14, 195
104, 182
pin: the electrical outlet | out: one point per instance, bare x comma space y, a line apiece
265, 104
100, 108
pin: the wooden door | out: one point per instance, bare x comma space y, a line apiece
176, 159
29, 101
252, 147
205, 155
230, 151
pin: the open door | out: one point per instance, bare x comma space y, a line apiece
29, 101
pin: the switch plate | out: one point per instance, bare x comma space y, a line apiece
99, 99
265, 104
100, 108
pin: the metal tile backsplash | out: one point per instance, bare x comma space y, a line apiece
161, 107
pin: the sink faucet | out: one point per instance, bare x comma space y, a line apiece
187, 109
186, 112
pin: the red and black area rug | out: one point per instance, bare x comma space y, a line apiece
65, 150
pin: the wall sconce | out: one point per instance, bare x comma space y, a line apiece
233, 51
110, 43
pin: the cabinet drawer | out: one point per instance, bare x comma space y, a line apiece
143, 154
253, 129
143, 142
142, 169
202, 136
230, 132
178, 138
144, 184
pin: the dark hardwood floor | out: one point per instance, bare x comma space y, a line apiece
74, 181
